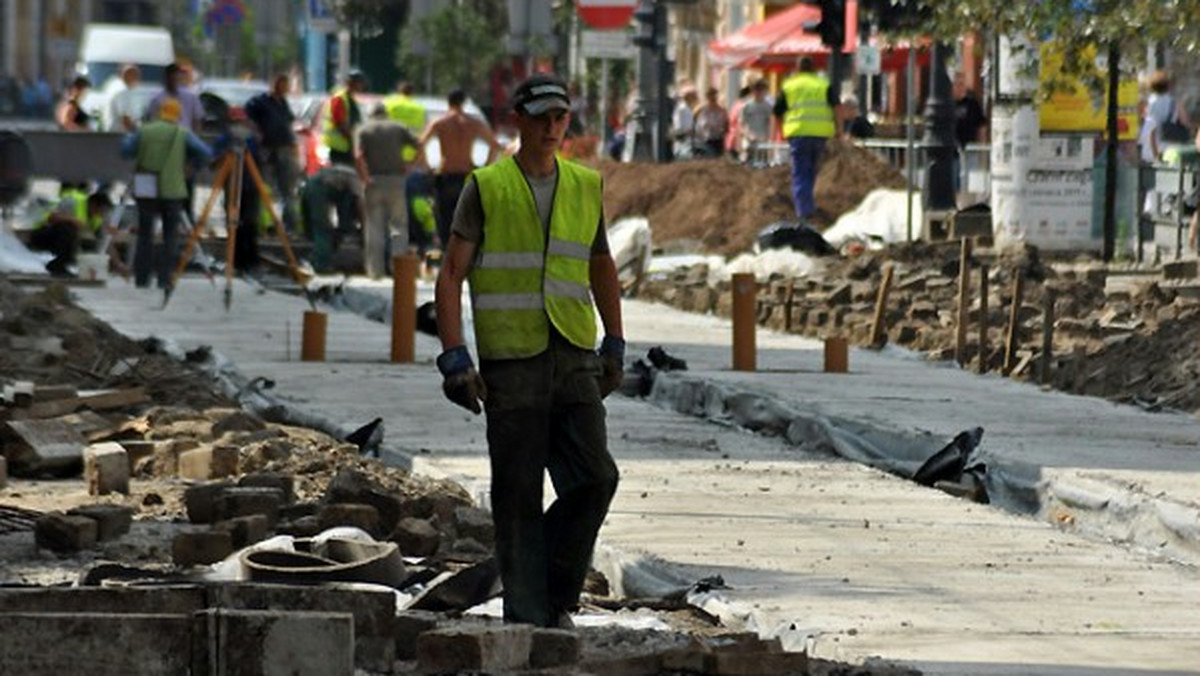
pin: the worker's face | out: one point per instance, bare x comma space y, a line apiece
280, 86
545, 132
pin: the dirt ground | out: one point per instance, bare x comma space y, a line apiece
718, 206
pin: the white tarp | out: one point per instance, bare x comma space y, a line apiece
881, 217
14, 257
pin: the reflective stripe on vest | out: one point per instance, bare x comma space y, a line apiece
409, 113
808, 111
520, 282
331, 136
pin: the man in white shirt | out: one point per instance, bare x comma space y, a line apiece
124, 110
683, 122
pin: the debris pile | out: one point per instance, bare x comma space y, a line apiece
1131, 343
137, 491
719, 206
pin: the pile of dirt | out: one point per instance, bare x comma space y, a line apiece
716, 205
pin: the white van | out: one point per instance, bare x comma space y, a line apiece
106, 47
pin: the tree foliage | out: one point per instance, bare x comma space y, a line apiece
1079, 28
463, 41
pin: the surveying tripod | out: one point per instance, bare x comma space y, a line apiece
230, 172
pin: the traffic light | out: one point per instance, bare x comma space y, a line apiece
647, 18
832, 27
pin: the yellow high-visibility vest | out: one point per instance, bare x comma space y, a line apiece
522, 280
808, 112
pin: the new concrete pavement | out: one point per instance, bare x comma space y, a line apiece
1098, 575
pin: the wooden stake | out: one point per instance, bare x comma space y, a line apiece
964, 296
1047, 336
404, 307
312, 341
983, 318
745, 297
878, 326
1010, 340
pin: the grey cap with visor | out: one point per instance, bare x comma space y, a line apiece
541, 93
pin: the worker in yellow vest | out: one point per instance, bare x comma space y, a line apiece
402, 108
806, 108
76, 218
529, 236
341, 119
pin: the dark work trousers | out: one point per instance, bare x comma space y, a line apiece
145, 259
447, 188
544, 413
806, 159
60, 238
245, 243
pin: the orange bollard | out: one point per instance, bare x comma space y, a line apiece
745, 324
404, 307
837, 355
312, 341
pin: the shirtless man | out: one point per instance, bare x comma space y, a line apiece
456, 133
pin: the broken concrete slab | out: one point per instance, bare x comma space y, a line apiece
409, 625
554, 648
462, 590
95, 644
43, 448
416, 537
245, 530
156, 600
245, 500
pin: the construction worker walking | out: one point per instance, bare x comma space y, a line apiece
806, 107
529, 236
160, 150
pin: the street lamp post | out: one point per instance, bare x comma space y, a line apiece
939, 136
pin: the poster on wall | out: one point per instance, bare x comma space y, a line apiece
1042, 186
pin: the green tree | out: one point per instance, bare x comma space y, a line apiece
464, 40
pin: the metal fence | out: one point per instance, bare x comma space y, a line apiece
974, 172
1162, 191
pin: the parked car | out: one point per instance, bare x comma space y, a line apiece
309, 128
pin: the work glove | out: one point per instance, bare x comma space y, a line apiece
462, 384
612, 361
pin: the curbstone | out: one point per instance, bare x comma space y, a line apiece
201, 548
487, 648
269, 642
553, 648
245, 530
63, 533
243, 501
200, 500
106, 468
410, 624
112, 521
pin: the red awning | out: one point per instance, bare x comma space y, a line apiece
755, 39
776, 43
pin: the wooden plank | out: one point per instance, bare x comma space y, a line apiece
964, 295
878, 326
96, 402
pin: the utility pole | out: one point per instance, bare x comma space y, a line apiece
648, 140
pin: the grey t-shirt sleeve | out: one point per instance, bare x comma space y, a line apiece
468, 219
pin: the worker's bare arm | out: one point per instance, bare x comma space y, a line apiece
448, 291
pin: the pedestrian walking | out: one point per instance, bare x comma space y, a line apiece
754, 125
529, 236
379, 155
160, 149
456, 132
806, 107
273, 119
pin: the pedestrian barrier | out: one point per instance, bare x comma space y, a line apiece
1163, 189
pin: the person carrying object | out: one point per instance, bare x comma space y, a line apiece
160, 150
529, 238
